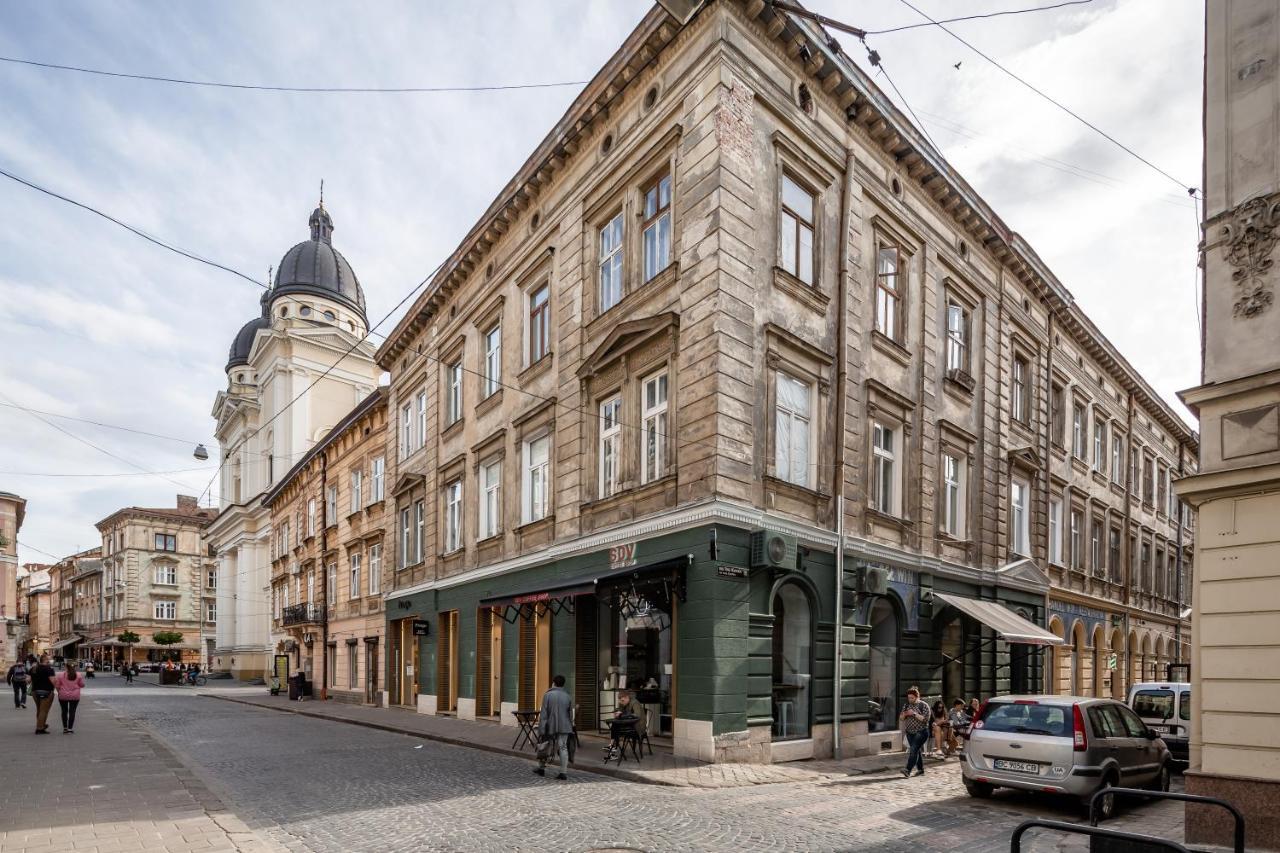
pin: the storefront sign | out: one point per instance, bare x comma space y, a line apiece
421, 628
531, 598
732, 572
622, 556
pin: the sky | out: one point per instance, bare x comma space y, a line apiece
101, 325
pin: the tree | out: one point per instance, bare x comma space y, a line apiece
129, 638
167, 638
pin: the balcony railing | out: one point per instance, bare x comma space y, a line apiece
302, 614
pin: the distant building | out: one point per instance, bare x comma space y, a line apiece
36, 591
12, 511
71, 632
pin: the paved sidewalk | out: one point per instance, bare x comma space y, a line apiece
661, 768
109, 787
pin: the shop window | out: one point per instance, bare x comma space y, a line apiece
353, 667
635, 637
488, 662
792, 663
883, 673
952, 647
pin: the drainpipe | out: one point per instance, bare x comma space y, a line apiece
1177, 563
838, 467
324, 574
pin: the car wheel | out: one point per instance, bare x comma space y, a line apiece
1107, 802
1161, 782
981, 790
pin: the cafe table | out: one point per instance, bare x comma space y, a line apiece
528, 722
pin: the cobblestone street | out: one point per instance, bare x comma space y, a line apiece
283, 781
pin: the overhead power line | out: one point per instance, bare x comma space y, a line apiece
103, 473
22, 544
314, 90
99, 423
979, 17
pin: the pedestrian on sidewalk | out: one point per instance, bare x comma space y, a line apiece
127, 672
555, 725
42, 689
68, 683
17, 678
915, 728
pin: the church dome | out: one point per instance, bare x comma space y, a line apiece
315, 268
243, 342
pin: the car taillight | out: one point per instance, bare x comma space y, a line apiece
1081, 739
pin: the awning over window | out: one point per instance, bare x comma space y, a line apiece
559, 589
62, 644
1009, 625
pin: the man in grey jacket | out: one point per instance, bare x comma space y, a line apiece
555, 724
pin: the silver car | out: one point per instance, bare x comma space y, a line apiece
1062, 745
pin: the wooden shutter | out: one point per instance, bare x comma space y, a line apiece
484, 661
528, 662
585, 678
444, 655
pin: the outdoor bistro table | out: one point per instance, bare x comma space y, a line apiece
527, 721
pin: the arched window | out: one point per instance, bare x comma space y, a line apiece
792, 663
884, 667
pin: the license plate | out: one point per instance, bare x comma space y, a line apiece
1164, 730
1018, 766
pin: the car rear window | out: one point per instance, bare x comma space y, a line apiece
1184, 707
1153, 704
1026, 718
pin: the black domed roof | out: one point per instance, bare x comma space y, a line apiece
315, 268
243, 342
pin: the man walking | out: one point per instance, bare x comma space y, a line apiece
555, 725
42, 689
17, 677
915, 727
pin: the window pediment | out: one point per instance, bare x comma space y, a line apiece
406, 481
1026, 459
628, 337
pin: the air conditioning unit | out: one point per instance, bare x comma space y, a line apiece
873, 580
770, 549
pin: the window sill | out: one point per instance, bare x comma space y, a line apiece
489, 402
890, 347
810, 294
489, 540
1081, 467
1022, 427
528, 526
629, 491
796, 490
1099, 478
535, 369
959, 385
451, 429
892, 520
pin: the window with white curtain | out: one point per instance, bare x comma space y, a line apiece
166, 610
953, 495
792, 429
419, 530
490, 498
353, 588
377, 489
1020, 521
406, 430
406, 534
1055, 531
421, 437
453, 388
493, 360
357, 489
311, 517
331, 506
884, 473
653, 427
375, 569
536, 472
610, 445
453, 516
166, 575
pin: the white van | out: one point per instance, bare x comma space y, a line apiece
1165, 706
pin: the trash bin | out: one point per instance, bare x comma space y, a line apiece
295, 686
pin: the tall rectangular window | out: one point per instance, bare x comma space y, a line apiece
375, 569
1021, 390
537, 460
311, 517
406, 430
1020, 517
1162, 485
331, 506
653, 427
1077, 430
1117, 459
884, 485
1113, 553
377, 489
1100, 445
1146, 566
610, 445
1148, 481
1077, 539
793, 429
353, 587
953, 495
211, 611
957, 337
1135, 469
357, 490
1095, 547
311, 589
490, 498
420, 530
453, 516
453, 388
421, 437
611, 264
539, 323
406, 534
795, 227
1057, 415
353, 672
657, 227
492, 360
888, 292
1055, 531
330, 586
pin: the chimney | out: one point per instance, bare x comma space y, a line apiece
188, 503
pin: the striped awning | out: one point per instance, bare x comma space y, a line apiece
1008, 625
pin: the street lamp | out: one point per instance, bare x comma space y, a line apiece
200, 453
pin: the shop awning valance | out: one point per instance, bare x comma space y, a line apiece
62, 644
558, 589
1009, 625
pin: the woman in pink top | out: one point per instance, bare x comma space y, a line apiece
68, 684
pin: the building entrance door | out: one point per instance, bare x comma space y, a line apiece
488, 662
371, 672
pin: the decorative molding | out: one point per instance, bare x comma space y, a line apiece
1251, 237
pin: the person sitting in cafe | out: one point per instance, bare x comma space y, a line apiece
628, 714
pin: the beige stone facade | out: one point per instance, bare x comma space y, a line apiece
1235, 663
37, 612
12, 512
155, 575
330, 514
76, 619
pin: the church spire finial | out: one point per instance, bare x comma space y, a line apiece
322, 193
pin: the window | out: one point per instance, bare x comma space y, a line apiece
311, 517
1021, 391
1146, 566
1113, 552
1117, 459
1077, 539
953, 495
453, 384
406, 430
490, 498
1172, 509
1055, 531
353, 671
331, 585
375, 569
377, 489
419, 530
357, 489
421, 437
285, 540
888, 293
1077, 430
1095, 547
1020, 523
1100, 445
611, 264
1162, 484
210, 579
795, 225
166, 575
536, 467
657, 227
1148, 480
354, 585
884, 492
539, 323
1135, 470
166, 542
1057, 415
492, 360
793, 425
406, 532
453, 516
331, 506
654, 428
610, 445
211, 611
166, 610
957, 337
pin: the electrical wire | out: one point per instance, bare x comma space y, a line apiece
979, 17
22, 544
879, 63
101, 424
341, 90
103, 474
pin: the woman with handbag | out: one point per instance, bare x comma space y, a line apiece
68, 684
